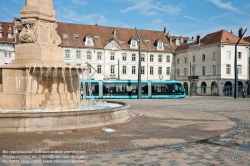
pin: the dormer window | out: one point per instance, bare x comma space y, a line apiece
97, 38
133, 43
147, 41
167, 45
65, 36
76, 37
88, 41
160, 45
177, 41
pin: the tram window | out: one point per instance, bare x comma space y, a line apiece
144, 88
93, 90
121, 88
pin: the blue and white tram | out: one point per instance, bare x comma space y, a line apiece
127, 89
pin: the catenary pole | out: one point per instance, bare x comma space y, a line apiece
236, 68
139, 67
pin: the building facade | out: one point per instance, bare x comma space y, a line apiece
206, 66
7, 43
112, 53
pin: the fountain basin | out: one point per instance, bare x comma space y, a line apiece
64, 120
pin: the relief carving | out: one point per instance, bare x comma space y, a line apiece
29, 32
54, 37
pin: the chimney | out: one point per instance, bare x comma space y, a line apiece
170, 39
96, 23
231, 32
181, 39
198, 39
168, 34
165, 30
114, 33
240, 32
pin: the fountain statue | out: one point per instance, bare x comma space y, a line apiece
39, 81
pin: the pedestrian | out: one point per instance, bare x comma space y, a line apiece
82, 93
243, 93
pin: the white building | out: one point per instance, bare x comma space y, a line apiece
7, 43
112, 53
210, 62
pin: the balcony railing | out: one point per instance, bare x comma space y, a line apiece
193, 77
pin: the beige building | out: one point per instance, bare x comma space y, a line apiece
112, 53
210, 63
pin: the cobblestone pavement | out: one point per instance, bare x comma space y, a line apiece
192, 131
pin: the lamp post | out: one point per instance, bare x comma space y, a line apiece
236, 68
139, 67
190, 80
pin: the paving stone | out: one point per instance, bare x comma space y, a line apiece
165, 123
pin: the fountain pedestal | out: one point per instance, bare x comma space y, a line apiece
38, 91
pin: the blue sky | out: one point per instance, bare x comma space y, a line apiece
180, 17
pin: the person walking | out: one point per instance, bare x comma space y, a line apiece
243, 93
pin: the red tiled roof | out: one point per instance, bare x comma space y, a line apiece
106, 35
221, 36
184, 38
247, 38
5, 31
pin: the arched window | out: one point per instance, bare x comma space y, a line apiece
203, 87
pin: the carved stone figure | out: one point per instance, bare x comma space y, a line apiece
55, 38
28, 34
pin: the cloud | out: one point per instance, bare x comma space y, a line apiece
147, 8
226, 5
192, 18
157, 21
7, 10
73, 16
79, 2
223, 15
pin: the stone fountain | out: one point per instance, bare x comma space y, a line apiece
38, 91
